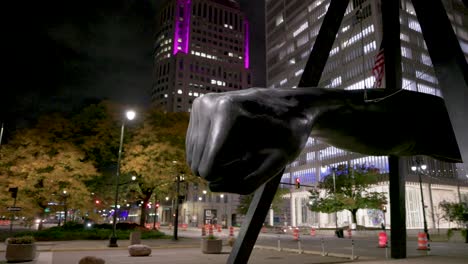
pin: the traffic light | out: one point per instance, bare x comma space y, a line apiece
97, 202
298, 183
157, 205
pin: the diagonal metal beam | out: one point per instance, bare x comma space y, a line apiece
449, 64
323, 44
256, 215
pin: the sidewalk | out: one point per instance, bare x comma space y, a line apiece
187, 250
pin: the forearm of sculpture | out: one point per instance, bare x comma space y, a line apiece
238, 140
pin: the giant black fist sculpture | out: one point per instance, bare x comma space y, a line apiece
239, 140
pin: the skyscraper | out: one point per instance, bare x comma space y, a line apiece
201, 46
291, 31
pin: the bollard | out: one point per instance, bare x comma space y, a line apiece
386, 250
279, 243
231, 231
350, 233
299, 246
219, 229
352, 249
323, 248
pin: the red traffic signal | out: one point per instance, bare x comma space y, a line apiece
298, 183
157, 205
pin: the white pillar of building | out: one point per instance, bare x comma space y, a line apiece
293, 211
271, 220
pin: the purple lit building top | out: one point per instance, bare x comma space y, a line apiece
182, 27
201, 46
246, 44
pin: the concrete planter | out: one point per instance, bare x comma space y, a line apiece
20, 252
211, 246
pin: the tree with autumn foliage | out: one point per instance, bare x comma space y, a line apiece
156, 154
350, 191
42, 163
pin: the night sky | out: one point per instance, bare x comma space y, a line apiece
60, 54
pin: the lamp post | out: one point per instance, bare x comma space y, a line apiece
198, 209
113, 239
156, 207
419, 168
1, 135
179, 179
65, 206
224, 218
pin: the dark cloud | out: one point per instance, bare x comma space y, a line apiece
61, 52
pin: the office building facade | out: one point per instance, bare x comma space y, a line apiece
291, 29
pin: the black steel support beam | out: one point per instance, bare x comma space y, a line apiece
397, 207
449, 64
323, 44
393, 81
256, 215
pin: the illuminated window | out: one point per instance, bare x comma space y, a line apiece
404, 37
299, 72
279, 19
406, 52
301, 28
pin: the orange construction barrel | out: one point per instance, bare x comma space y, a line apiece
382, 240
422, 241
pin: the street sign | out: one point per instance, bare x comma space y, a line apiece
14, 208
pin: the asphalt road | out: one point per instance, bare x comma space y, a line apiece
360, 246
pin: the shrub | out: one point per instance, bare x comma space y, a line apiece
102, 226
127, 226
72, 226
211, 237
60, 234
20, 240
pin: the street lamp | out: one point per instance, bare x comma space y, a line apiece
324, 169
179, 179
419, 168
1, 135
65, 206
224, 218
113, 239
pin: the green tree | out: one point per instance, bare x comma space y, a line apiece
42, 163
454, 212
96, 131
156, 154
350, 191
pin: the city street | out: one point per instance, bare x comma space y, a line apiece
187, 250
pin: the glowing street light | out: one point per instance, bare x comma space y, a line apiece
113, 239
419, 168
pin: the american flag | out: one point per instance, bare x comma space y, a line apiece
379, 67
